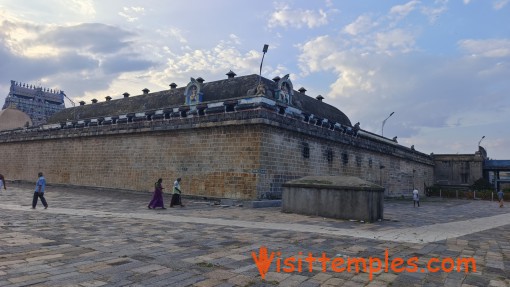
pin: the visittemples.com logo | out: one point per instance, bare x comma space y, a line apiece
371, 265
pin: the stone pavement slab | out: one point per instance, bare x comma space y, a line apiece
94, 237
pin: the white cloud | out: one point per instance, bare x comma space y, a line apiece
234, 39
362, 24
467, 1
286, 17
314, 54
434, 12
404, 10
491, 48
500, 4
173, 33
426, 92
351, 80
397, 39
324, 54
83, 7
131, 13
207, 63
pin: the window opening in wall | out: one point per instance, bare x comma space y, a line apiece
370, 162
329, 155
230, 108
358, 160
345, 158
464, 177
306, 150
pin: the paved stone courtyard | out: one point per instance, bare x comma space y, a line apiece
92, 237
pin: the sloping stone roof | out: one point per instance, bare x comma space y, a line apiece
227, 89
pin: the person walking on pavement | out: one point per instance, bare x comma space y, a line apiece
176, 196
39, 191
500, 198
157, 197
416, 197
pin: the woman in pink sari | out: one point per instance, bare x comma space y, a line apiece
157, 197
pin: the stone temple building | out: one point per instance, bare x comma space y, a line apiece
239, 137
37, 102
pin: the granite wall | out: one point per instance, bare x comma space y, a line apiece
243, 154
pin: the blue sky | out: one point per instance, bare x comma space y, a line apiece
442, 66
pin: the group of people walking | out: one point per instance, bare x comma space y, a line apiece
157, 197
40, 186
156, 201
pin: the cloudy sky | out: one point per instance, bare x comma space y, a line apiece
442, 67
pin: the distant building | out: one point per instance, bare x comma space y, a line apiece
37, 102
461, 171
458, 170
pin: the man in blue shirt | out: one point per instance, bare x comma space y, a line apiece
500, 198
39, 191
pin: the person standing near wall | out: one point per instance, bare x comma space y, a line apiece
176, 196
500, 198
39, 191
2, 182
416, 197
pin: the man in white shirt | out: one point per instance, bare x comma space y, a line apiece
416, 197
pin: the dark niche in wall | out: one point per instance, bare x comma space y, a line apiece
329, 155
345, 158
305, 150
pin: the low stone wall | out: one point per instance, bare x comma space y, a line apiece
342, 197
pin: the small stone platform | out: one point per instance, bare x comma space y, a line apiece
342, 197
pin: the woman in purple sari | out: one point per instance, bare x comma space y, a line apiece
157, 197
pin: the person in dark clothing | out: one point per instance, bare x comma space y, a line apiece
176, 196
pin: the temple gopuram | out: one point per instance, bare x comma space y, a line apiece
37, 102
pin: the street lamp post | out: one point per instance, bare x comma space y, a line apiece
481, 140
382, 128
264, 51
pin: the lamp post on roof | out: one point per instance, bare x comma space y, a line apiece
481, 140
264, 51
382, 128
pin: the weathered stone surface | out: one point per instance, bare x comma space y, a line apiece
342, 197
333, 182
242, 155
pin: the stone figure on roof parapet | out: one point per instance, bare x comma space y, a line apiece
261, 89
193, 92
285, 90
